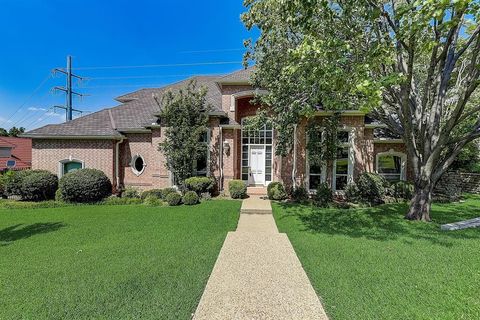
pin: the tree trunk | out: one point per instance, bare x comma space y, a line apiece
420, 205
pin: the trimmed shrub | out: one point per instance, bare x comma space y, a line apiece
352, 193
157, 193
13, 181
152, 201
206, 196
299, 194
165, 192
200, 184
38, 185
190, 198
131, 193
323, 196
174, 199
2, 187
85, 186
116, 201
59, 196
237, 189
403, 190
276, 191
372, 187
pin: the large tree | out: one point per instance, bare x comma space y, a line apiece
185, 115
414, 64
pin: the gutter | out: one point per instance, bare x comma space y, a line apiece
220, 160
63, 137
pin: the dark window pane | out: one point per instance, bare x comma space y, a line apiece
268, 177
71, 166
138, 164
315, 169
245, 163
389, 164
315, 182
342, 136
244, 177
342, 153
341, 182
202, 164
245, 140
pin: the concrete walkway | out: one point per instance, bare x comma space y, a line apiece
257, 274
472, 223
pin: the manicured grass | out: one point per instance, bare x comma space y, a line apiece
372, 264
109, 262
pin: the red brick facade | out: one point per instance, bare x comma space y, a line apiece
236, 102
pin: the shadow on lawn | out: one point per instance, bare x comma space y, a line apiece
14, 233
384, 222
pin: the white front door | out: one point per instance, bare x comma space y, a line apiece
257, 165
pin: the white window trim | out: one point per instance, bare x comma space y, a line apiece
132, 165
323, 173
391, 152
351, 161
61, 164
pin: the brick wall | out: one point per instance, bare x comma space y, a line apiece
453, 183
98, 154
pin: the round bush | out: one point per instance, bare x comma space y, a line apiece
352, 193
299, 194
403, 190
157, 193
372, 187
131, 193
152, 201
190, 198
237, 189
276, 191
200, 184
174, 199
324, 196
85, 186
13, 181
39, 185
165, 192
59, 196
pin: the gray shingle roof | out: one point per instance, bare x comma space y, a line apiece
241, 76
138, 110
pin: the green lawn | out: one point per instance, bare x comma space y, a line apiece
109, 262
372, 264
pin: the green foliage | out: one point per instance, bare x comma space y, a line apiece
402, 190
13, 181
165, 192
352, 193
185, 114
117, 201
85, 186
372, 187
38, 185
299, 194
323, 196
2, 186
131, 192
469, 158
322, 142
59, 196
190, 198
206, 196
276, 191
200, 184
237, 189
152, 201
13, 132
174, 199
157, 193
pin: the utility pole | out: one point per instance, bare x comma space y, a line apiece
68, 89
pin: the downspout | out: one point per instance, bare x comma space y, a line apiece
117, 162
294, 169
220, 158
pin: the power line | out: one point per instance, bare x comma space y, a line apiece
161, 65
28, 99
213, 50
152, 76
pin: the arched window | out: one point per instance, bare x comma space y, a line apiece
69, 165
392, 165
138, 164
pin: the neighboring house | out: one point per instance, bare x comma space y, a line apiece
15, 153
123, 142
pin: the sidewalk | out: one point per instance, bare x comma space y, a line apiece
257, 274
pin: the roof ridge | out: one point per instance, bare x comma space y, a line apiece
112, 120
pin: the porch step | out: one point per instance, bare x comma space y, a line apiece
257, 191
256, 205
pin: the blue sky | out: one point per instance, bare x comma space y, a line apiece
37, 35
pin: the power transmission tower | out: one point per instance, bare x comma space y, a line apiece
68, 89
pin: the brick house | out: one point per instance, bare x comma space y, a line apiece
123, 142
15, 153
